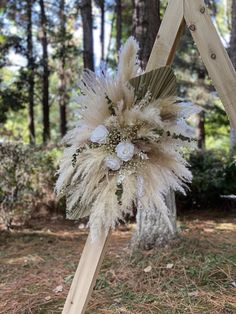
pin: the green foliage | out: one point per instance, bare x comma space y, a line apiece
213, 175
27, 177
64, 48
7, 43
216, 118
12, 97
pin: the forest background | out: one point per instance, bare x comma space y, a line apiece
44, 47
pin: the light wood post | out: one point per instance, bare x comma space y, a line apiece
86, 275
213, 54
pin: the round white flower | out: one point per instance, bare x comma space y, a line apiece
112, 162
125, 151
99, 135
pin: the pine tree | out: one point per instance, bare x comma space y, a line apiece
62, 69
31, 69
45, 75
233, 58
87, 21
101, 5
118, 24
20, 13
146, 22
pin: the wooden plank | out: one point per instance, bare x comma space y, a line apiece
86, 274
168, 36
164, 48
213, 54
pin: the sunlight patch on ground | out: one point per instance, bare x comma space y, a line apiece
23, 260
226, 226
48, 232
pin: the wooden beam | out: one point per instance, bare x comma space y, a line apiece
86, 275
168, 36
213, 54
164, 48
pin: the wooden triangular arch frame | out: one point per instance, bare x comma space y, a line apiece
194, 14
179, 13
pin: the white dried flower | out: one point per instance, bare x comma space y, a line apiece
143, 156
112, 162
125, 151
120, 178
99, 135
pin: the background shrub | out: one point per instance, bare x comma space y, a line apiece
214, 174
27, 180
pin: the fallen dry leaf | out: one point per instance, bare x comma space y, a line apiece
193, 294
147, 269
58, 289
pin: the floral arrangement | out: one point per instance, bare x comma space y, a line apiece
126, 150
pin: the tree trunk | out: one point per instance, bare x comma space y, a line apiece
110, 40
102, 36
45, 78
233, 59
201, 134
146, 21
201, 131
118, 24
87, 21
152, 230
62, 75
31, 66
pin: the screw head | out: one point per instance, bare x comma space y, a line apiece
192, 27
213, 56
202, 10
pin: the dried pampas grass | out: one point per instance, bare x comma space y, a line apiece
127, 147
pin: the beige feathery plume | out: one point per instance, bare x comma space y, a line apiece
129, 65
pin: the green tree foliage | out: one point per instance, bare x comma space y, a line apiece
64, 47
11, 98
214, 175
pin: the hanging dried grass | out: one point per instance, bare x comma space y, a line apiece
126, 149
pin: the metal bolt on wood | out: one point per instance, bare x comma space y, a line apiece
213, 56
192, 27
202, 10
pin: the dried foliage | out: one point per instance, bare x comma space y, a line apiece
127, 147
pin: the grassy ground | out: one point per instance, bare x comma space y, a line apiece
196, 274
